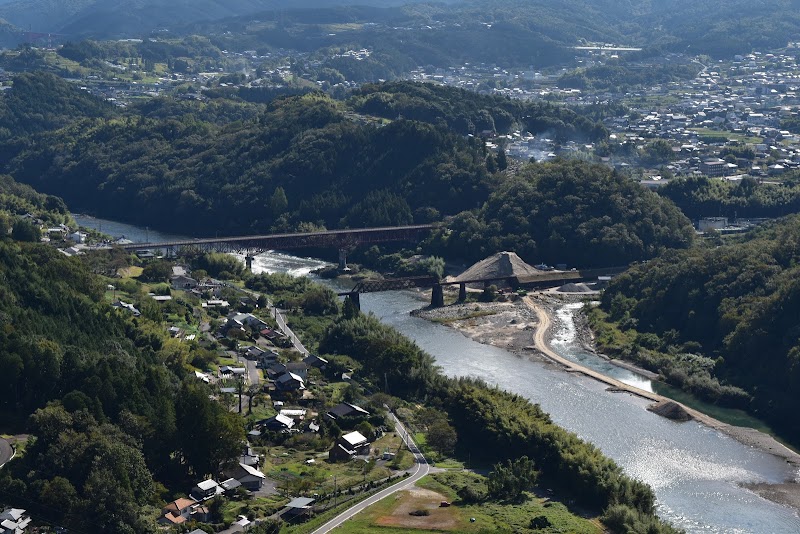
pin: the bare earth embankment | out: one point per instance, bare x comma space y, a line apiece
523, 327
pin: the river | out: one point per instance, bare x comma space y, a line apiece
694, 470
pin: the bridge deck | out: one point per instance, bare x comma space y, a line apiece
298, 240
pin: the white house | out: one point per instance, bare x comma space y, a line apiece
13, 521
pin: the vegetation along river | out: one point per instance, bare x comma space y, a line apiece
695, 471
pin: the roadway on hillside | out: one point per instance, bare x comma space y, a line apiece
6, 451
422, 469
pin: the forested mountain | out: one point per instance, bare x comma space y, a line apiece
301, 161
309, 161
736, 305
101, 392
18, 200
132, 17
39, 101
514, 32
568, 212
472, 113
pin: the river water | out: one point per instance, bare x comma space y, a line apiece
694, 470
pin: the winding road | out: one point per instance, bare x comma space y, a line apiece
422, 469
6, 451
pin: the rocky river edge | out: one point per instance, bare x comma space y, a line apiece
512, 325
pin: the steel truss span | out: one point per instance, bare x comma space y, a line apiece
254, 244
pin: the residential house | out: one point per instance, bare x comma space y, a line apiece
230, 485
13, 521
296, 414
249, 456
126, 306
268, 358
275, 369
272, 335
249, 477
298, 506
183, 282
277, 423
349, 446
253, 352
226, 371
313, 360
216, 303
202, 376
240, 320
177, 512
289, 382
78, 237
206, 490
298, 368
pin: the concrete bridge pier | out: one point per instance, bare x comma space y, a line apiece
462, 292
437, 296
248, 261
342, 259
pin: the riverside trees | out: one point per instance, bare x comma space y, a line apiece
491, 424
734, 304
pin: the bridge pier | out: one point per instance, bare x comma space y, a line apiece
342, 259
248, 261
437, 296
355, 298
462, 292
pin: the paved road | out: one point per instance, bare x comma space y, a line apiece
252, 372
422, 469
6, 452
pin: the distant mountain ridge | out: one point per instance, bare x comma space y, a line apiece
109, 18
719, 28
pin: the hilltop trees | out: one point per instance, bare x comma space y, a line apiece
568, 212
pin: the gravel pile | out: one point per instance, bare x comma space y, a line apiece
575, 288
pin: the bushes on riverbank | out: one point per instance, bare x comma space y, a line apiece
735, 306
492, 425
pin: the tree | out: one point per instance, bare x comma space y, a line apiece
156, 271
442, 437
25, 231
210, 435
5, 224
510, 480
278, 203
502, 159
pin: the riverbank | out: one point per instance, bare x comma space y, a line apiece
524, 328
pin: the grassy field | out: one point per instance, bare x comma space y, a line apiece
730, 135
394, 514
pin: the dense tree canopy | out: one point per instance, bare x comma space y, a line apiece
103, 394
736, 303
703, 197
472, 113
568, 212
